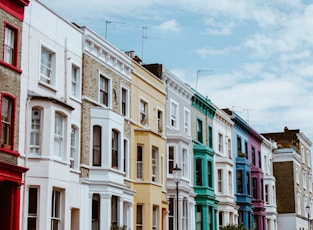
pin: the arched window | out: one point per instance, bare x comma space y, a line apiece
35, 131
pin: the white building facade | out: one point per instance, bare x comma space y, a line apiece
224, 169
50, 120
179, 153
267, 148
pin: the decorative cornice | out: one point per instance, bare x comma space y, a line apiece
106, 53
177, 85
203, 104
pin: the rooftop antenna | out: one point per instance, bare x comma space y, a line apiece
106, 27
143, 37
200, 71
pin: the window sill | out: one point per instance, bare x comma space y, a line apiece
12, 67
2, 149
47, 86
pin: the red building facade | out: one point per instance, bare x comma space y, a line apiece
11, 21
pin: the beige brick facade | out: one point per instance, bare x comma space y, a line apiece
10, 80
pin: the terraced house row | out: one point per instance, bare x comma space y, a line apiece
92, 138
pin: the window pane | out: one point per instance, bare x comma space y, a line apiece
96, 146
9, 45
139, 161
7, 122
35, 131
198, 172
58, 135
46, 66
114, 148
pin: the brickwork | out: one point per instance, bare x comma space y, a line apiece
5, 17
286, 139
284, 174
10, 79
90, 89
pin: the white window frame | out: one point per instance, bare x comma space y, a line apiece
229, 148
59, 134
186, 121
109, 90
139, 162
185, 163
160, 118
75, 81
220, 180
126, 98
126, 157
155, 217
304, 179
48, 68
35, 131
115, 148
171, 160
74, 152
174, 114
143, 111
230, 183
56, 209
139, 219
31, 215
185, 214
220, 143
155, 164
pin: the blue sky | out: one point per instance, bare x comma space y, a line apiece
258, 53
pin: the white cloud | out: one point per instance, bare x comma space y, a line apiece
169, 26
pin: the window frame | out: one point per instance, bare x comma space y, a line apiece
139, 217
220, 180
115, 148
56, 208
229, 149
186, 121
7, 145
199, 130
36, 132
139, 161
220, 143
125, 101
59, 134
75, 91
13, 63
174, 114
143, 111
185, 162
102, 92
171, 158
74, 147
96, 147
31, 205
95, 211
114, 210
49, 81
155, 164
199, 173
155, 217
160, 119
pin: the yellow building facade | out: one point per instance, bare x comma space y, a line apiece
148, 149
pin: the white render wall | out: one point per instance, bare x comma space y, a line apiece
181, 94
43, 27
222, 124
